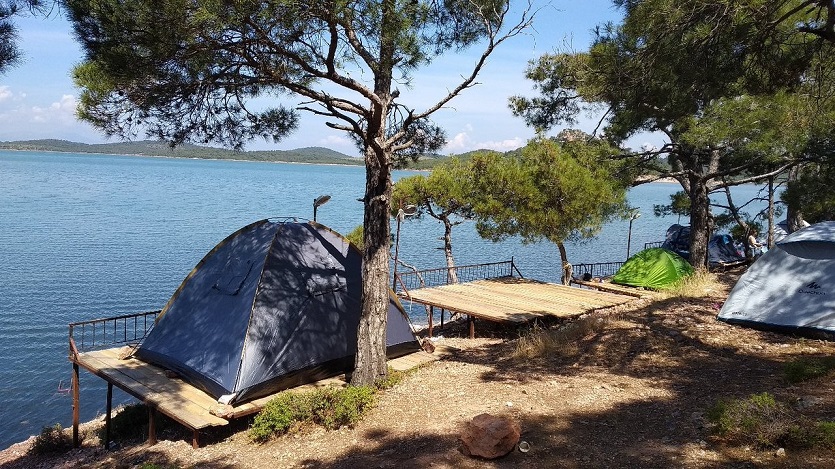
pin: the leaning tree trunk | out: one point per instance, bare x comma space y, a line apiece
566, 267
699, 223
452, 274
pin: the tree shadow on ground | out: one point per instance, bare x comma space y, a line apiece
688, 357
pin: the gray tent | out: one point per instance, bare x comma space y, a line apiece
274, 305
791, 287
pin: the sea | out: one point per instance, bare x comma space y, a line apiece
86, 236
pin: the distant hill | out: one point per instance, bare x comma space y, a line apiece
156, 148
313, 155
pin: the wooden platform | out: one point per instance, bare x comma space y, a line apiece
181, 401
515, 300
615, 288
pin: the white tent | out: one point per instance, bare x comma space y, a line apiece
791, 288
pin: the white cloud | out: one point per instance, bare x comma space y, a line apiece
336, 140
62, 111
5, 93
463, 142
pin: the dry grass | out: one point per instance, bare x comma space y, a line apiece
562, 341
701, 284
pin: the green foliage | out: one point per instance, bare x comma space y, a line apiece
279, 414
679, 205
392, 379
444, 193
763, 421
804, 369
551, 191
813, 192
758, 100
51, 440
355, 237
333, 408
759, 419
329, 407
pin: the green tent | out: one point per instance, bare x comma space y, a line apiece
653, 268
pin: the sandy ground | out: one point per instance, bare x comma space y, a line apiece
634, 394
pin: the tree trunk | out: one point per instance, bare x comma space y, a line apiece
370, 364
770, 238
566, 267
452, 274
700, 223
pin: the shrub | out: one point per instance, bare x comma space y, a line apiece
329, 407
279, 415
51, 440
337, 407
392, 379
763, 421
759, 419
804, 369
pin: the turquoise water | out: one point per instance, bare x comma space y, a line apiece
91, 236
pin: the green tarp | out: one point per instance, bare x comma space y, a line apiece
653, 268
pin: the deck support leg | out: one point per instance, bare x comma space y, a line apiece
107, 415
152, 426
471, 321
431, 313
75, 406
195, 439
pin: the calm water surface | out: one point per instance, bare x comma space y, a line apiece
90, 236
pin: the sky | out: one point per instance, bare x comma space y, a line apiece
38, 98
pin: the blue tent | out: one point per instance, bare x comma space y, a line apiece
274, 305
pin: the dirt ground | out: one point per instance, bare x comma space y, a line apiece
632, 395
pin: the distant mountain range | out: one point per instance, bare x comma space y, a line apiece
157, 148
315, 155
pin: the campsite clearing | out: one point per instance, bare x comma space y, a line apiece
633, 394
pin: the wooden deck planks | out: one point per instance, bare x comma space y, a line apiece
172, 396
515, 300
189, 405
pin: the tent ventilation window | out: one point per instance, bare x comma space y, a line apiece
233, 276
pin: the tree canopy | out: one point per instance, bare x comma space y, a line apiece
550, 191
9, 52
444, 194
729, 83
222, 72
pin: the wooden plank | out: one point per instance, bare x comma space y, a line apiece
189, 405
555, 302
613, 288
516, 300
130, 376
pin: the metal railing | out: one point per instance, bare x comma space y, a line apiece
656, 244
405, 281
597, 270
107, 332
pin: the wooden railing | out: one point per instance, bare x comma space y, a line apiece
597, 270
103, 333
405, 281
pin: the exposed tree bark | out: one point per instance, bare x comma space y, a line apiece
770, 237
566, 266
452, 274
700, 222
